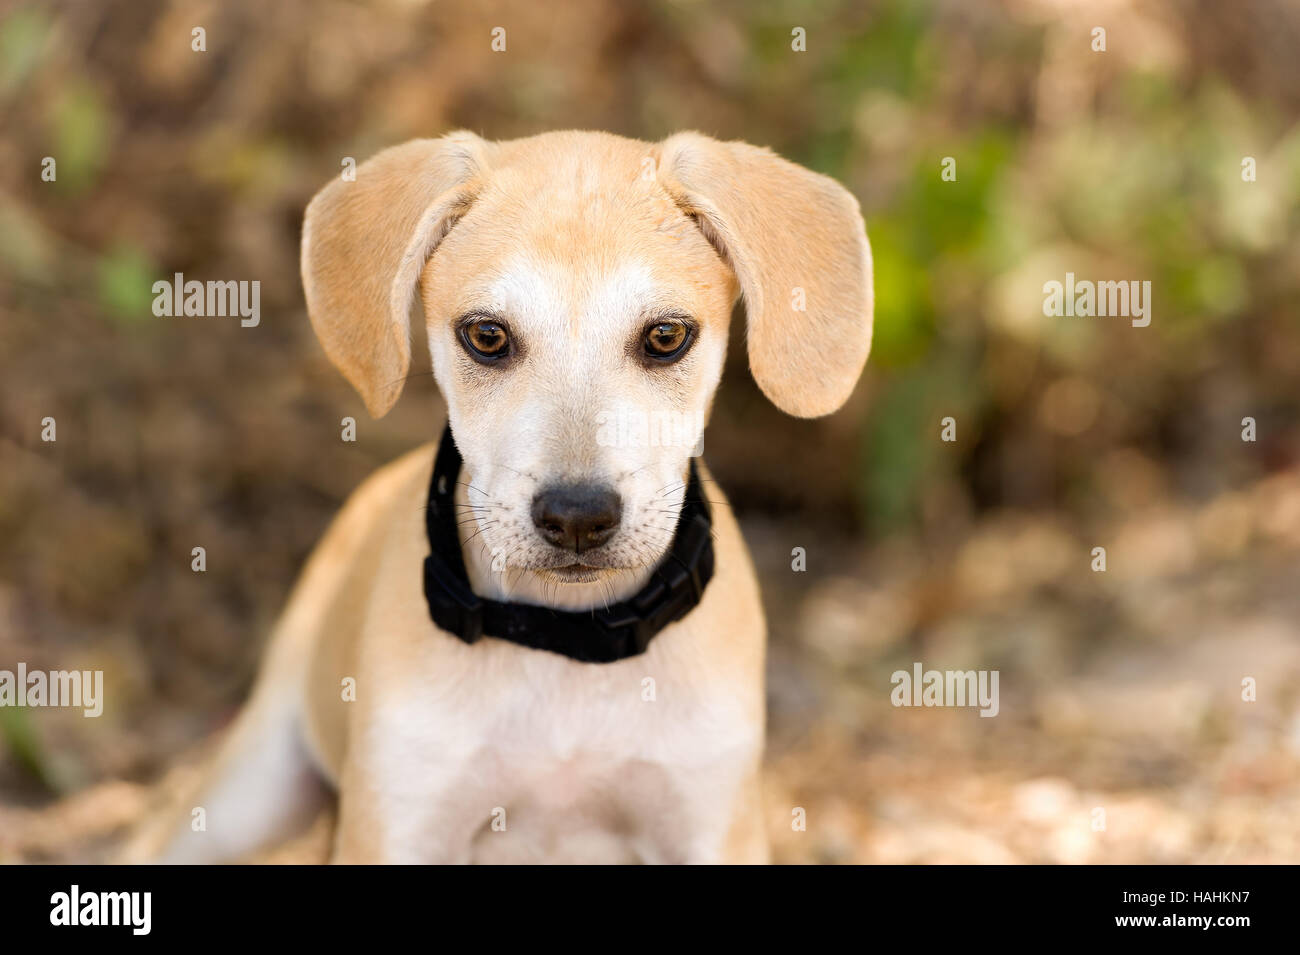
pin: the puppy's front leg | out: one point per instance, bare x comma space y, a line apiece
747, 842
381, 824
726, 824
395, 813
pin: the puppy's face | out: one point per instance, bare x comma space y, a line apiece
577, 289
577, 320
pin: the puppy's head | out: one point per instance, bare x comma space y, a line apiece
577, 289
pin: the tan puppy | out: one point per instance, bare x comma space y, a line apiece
573, 283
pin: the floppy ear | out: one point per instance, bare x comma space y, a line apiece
364, 244
797, 244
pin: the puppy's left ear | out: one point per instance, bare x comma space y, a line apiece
797, 244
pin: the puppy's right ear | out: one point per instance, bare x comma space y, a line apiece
364, 244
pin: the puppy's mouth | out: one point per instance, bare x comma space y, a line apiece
575, 573
584, 568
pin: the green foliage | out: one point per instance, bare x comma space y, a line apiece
125, 281
81, 132
23, 37
20, 738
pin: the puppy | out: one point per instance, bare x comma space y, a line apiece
541, 640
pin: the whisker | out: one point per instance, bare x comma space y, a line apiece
471, 487
479, 531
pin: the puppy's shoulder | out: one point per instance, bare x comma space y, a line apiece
395, 482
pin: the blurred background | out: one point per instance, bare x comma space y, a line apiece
1119, 690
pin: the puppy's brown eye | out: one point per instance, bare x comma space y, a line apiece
485, 339
667, 340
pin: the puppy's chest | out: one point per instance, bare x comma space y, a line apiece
585, 766
583, 806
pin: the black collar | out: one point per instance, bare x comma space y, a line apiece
591, 636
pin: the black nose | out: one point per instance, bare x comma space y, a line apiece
577, 517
